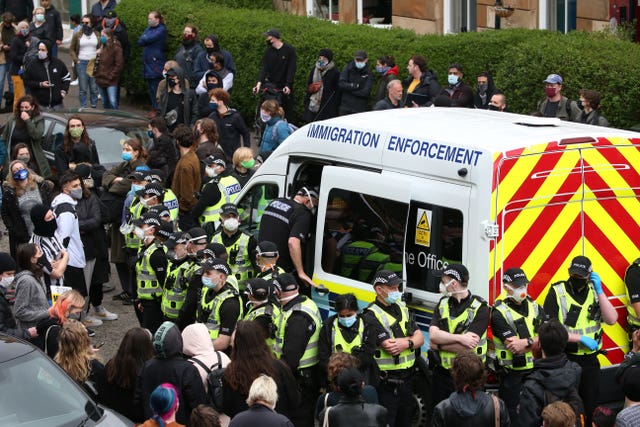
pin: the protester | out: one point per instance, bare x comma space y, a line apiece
109, 67
31, 305
164, 403
47, 78
7, 321
230, 124
83, 51
77, 147
54, 257
198, 347
205, 416
323, 96
69, 305
154, 43
243, 163
262, 399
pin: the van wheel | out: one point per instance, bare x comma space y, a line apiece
421, 416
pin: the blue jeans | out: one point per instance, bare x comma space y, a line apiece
85, 82
109, 97
3, 75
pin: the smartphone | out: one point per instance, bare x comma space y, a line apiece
100, 344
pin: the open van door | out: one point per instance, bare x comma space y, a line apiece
254, 199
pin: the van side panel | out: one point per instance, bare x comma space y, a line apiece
553, 202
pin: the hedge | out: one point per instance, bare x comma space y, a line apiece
518, 59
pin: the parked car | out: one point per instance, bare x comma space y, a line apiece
35, 391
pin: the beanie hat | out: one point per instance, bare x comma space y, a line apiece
327, 53
6, 263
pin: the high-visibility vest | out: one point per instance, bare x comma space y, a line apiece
386, 361
465, 318
271, 274
310, 356
229, 189
584, 326
135, 212
213, 308
504, 356
170, 201
270, 310
339, 342
242, 269
148, 286
175, 289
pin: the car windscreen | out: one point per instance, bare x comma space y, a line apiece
108, 141
35, 392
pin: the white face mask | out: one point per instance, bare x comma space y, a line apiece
5, 282
139, 232
518, 294
289, 298
211, 172
231, 224
265, 117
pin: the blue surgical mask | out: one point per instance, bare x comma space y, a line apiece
382, 69
21, 175
103, 40
393, 297
360, 65
321, 64
452, 79
126, 156
150, 133
135, 188
207, 282
213, 105
348, 322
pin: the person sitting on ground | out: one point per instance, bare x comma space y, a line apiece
31, 305
204, 416
630, 415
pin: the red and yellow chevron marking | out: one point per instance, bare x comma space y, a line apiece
553, 202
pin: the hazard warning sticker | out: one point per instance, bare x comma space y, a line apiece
423, 228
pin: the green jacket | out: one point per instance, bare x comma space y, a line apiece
35, 129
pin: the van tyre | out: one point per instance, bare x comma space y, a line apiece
422, 396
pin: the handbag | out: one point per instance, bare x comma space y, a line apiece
325, 422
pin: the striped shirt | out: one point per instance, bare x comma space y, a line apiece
51, 248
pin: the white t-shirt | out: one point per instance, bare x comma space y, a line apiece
88, 47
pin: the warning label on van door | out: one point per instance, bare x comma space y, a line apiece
423, 228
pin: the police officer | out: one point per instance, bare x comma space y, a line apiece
514, 322
176, 282
459, 324
220, 305
151, 268
579, 303
262, 307
219, 188
239, 245
361, 258
151, 195
298, 329
632, 282
266, 260
397, 340
170, 199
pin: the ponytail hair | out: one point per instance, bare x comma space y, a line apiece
163, 402
272, 107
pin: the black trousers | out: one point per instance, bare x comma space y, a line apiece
308, 381
396, 394
589, 382
509, 391
74, 277
152, 316
441, 386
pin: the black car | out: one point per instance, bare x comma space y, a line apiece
35, 391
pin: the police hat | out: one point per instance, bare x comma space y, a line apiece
151, 189
216, 264
228, 209
285, 282
258, 288
580, 266
386, 278
137, 176
148, 218
455, 271
197, 236
174, 239
515, 277
267, 249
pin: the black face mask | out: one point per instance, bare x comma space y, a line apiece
493, 108
86, 29
269, 43
211, 50
171, 82
45, 228
578, 284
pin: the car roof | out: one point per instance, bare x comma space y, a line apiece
98, 118
12, 347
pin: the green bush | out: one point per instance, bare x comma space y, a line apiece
518, 59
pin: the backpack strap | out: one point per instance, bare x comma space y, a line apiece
496, 409
219, 360
201, 363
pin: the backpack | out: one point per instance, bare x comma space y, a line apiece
214, 381
572, 399
291, 126
32, 52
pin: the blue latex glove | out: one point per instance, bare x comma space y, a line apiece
590, 343
597, 282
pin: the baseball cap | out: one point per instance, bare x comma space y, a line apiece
285, 282
216, 264
360, 54
457, 271
215, 159
148, 218
174, 239
258, 288
151, 189
515, 277
386, 278
581, 266
273, 33
112, 14
137, 176
229, 208
553, 78
197, 235
267, 249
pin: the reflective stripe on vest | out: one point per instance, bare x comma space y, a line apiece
504, 356
310, 356
170, 201
229, 188
175, 289
213, 306
242, 269
148, 286
135, 212
386, 361
465, 318
583, 326
339, 343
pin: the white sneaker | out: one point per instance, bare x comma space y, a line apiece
74, 83
90, 321
103, 314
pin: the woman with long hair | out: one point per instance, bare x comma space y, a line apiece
21, 191
277, 129
250, 358
26, 124
77, 357
21, 152
122, 370
31, 305
69, 305
77, 147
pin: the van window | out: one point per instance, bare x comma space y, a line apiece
434, 238
362, 234
253, 204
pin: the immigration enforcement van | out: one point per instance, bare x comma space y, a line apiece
415, 189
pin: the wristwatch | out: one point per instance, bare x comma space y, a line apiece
410, 345
529, 342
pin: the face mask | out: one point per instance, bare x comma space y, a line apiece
127, 156
150, 133
269, 42
393, 297
189, 37
265, 117
580, 104
518, 294
76, 193
452, 79
211, 172
348, 322
482, 87
321, 64
25, 159
88, 182
24, 32
48, 229
382, 69
21, 175
152, 22
76, 132
578, 283
144, 202
103, 40
139, 232
444, 291
42, 55
208, 282
39, 17
86, 29
211, 50
213, 105
109, 22
171, 83
550, 92
135, 188
74, 316
164, 74
360, 65
248, 164
231, 224
493, 107
5, 282
289, 298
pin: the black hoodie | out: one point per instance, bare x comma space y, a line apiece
168, 366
